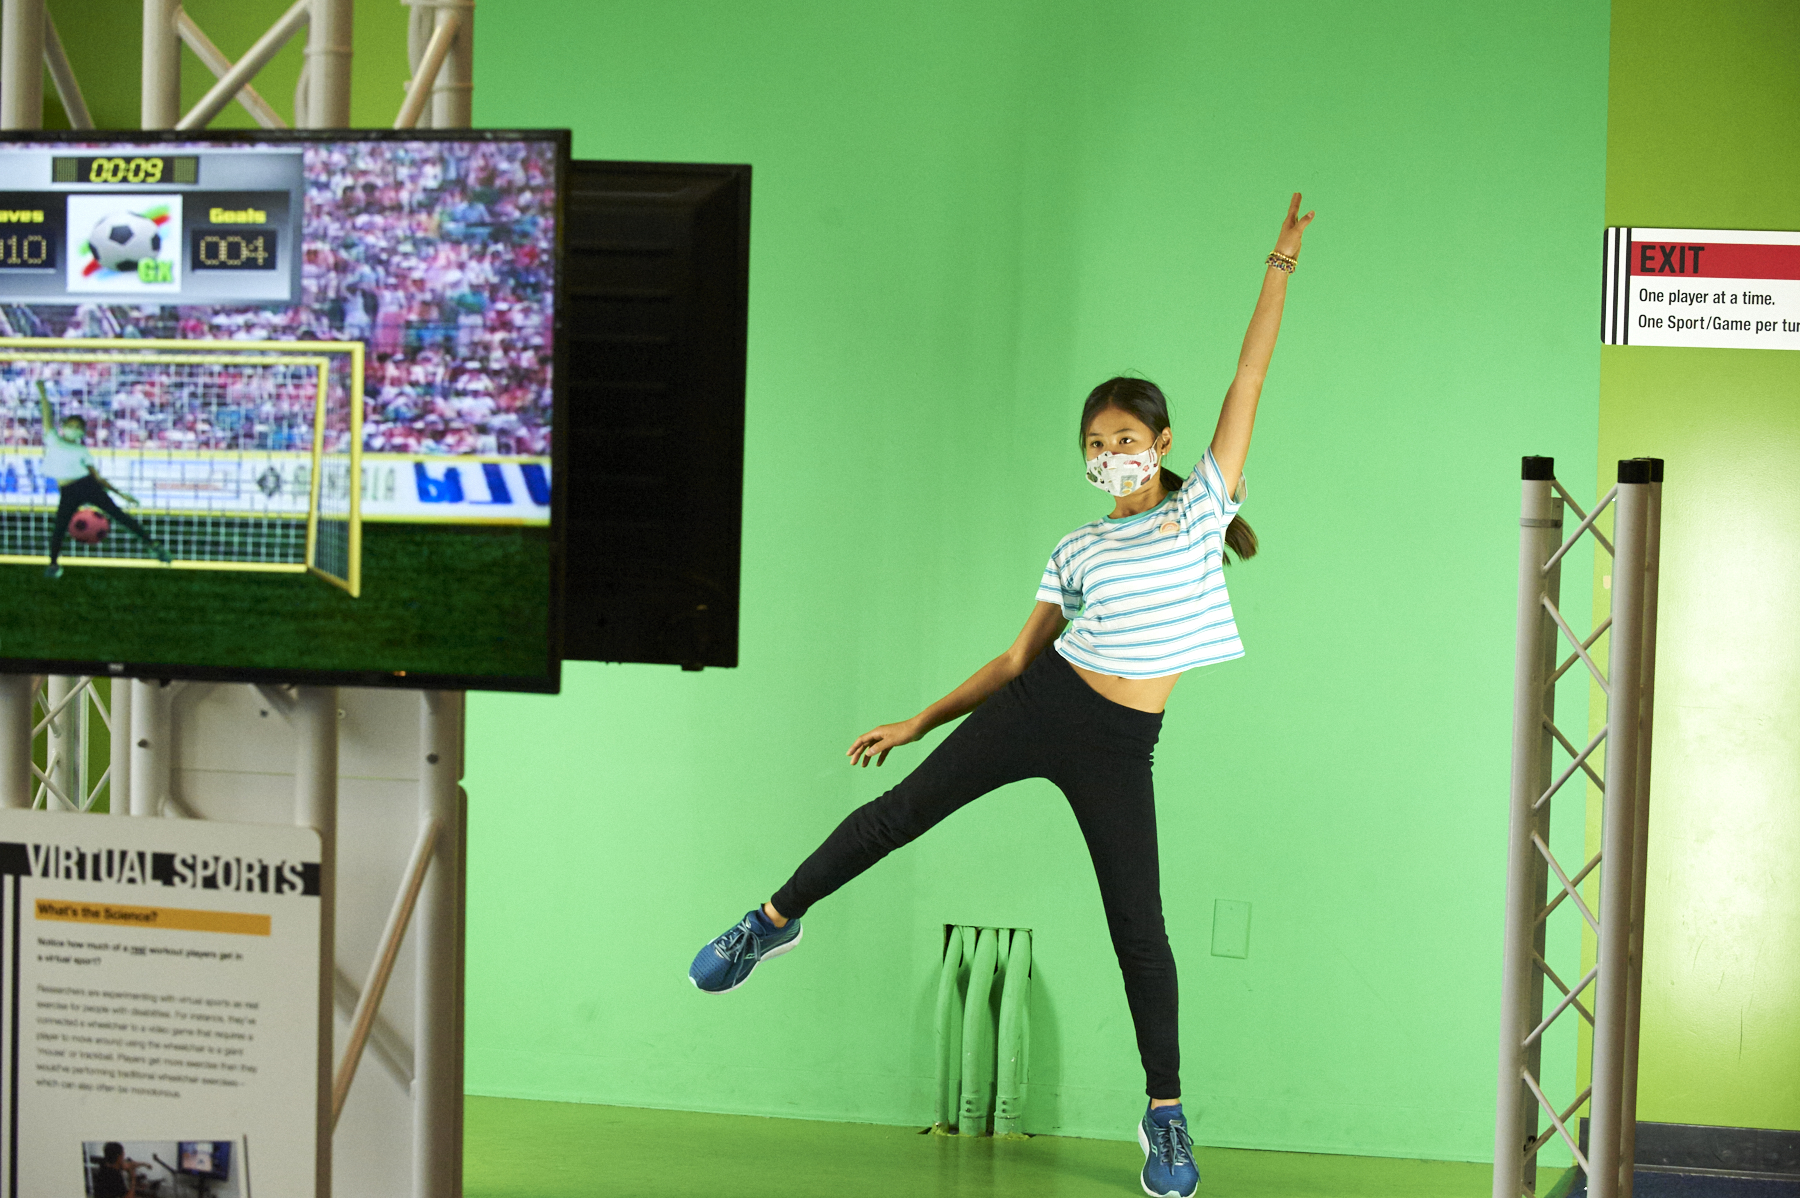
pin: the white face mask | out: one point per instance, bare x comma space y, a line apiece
1120, 474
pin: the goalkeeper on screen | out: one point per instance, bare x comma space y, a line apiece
78, 483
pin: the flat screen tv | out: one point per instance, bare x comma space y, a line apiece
658, 287
282, 407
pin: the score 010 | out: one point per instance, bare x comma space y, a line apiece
29, 250
238, 249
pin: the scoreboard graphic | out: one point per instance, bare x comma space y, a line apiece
216, 226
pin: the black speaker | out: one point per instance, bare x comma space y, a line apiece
656, 306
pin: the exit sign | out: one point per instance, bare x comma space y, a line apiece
1724, 289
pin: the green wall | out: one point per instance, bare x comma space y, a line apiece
1708, 140
965, 216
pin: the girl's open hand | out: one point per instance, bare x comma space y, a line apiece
1288, 240
877, 743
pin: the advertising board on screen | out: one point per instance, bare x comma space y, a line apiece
281, 406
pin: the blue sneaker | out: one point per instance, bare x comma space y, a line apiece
728, 962
1169, 1169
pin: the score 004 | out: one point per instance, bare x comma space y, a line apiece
232, 249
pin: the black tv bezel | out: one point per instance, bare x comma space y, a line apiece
551, 680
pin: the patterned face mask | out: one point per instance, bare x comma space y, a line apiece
1120, 474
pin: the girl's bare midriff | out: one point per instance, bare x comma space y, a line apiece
1144, 694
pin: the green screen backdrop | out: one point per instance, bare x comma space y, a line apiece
965, 216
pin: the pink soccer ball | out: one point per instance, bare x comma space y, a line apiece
89, 526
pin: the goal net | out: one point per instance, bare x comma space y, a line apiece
230, 456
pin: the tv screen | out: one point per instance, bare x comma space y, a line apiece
282, 406
205, 1158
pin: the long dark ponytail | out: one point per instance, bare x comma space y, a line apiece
1145, 400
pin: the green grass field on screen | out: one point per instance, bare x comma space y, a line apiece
437, 599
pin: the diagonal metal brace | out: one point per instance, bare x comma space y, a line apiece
1586, 523
49, 787
1571, 1109
1569, 747
1556, 902
50, 713
1559, 1120
1568, 997
1551, 974
1572, 658
1576, 508
1580, 762
1576, 641
1568, 886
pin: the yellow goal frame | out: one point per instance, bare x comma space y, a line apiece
318, 354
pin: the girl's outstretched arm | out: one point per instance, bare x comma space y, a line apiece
1231, 439
1044, 625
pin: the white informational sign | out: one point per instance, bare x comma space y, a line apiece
1725, 289
159, 1007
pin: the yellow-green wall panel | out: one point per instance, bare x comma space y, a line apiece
1701, 134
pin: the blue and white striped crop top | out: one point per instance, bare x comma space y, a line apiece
1145, 596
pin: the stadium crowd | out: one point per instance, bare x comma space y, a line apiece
437, 255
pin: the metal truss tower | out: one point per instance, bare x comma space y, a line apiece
133, 724
1613, 984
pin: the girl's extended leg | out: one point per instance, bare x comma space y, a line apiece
1114, 801
120, 516
67, 504
998, 743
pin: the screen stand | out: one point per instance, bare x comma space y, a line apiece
15, 739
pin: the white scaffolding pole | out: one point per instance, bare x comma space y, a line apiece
159, 89
1634, 993
438, 944
328, 48
1616, 976
15, 739
1521, 1003
315, 718
21, 64
118, 726
438, 1009
150, 735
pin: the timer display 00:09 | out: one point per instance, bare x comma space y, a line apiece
125, 169
231, 249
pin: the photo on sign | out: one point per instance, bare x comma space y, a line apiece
122, 243
197, 1168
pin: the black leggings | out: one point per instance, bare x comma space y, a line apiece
87, 492
1046, 723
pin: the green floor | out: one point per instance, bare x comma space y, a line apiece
518, 1149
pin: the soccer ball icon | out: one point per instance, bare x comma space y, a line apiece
121, 239
89, 526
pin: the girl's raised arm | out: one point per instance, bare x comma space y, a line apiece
1231, 439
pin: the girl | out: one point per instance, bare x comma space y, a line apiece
1126, 605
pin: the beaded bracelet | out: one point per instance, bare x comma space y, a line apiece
1282, 262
